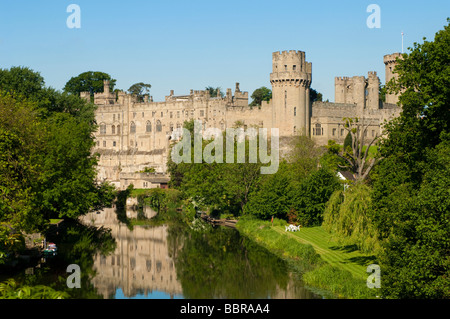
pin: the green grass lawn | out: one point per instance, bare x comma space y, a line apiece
344, 257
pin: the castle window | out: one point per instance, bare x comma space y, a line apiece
171, 114
295, 111
285, 98
202, 113
118, 129
295, 129
118, 117
171, 127
342, 132
178, 114
373, 133
158, 126
132, 127
178, 125
318, 129
142, 114
102, 128
148, 127
285, 67
104, 143
162, 114
113, 130
334, 132
114, 143
294, 67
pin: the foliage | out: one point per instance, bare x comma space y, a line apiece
315, 96
310, 197
259, 95
410, 186
10, 242
271, 198
222, 187
348, 217
139, 90
356, 157
90, 81
47, 169
10, 289
214, 91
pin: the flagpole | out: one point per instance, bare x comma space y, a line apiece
402, 41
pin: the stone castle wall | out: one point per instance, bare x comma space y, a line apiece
135, 135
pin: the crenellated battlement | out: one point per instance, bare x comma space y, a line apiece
391, 58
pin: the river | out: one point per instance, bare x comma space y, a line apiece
176, 260
158, 262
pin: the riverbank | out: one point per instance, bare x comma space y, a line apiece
337, 270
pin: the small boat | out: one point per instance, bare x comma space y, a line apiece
51, 250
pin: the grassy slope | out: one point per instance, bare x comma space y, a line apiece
341, 270
344, 257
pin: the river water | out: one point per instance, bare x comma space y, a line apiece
159, 262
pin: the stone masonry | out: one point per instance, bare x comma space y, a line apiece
134, 135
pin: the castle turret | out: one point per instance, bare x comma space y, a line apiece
373, 91
390, 61
291, 80
106, 88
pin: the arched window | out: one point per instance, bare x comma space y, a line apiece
148, 127
118, 129
102, 128
132, 127
113, 130
295, 111
171, 127
318, 129
158, 126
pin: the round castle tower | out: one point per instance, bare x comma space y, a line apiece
291, 80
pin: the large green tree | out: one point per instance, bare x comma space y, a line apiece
90, 81
411, 185
47, 169
139, 90
259, 95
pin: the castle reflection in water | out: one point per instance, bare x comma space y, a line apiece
141, 262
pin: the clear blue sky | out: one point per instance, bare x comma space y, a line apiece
183, 45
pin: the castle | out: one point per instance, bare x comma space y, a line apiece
134, 135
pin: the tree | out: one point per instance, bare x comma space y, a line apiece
23, 82
311, 195
90, 81
410, 186
357, 160
259, 95
424, 84
214, 91
47, 169
139, 89
315, 96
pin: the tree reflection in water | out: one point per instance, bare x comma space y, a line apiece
219, 263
